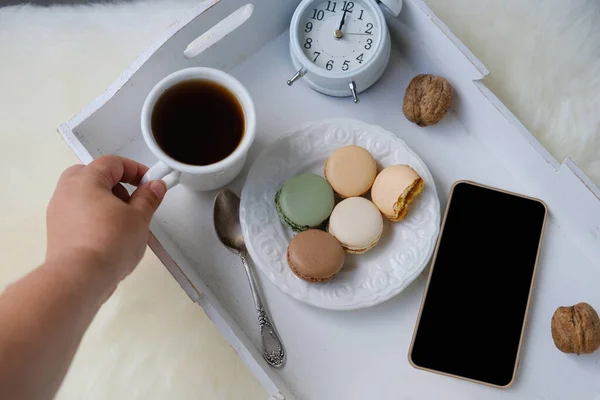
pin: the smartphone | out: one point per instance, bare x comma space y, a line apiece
473, 314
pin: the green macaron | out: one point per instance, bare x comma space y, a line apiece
304, 201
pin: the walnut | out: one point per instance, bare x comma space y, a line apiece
576, 329
427, 99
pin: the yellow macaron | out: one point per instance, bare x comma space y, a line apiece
350, 171
394, 189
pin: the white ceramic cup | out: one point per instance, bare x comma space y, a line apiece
200, 177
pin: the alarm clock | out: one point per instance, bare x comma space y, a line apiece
340, 48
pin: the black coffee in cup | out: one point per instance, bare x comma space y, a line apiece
198, 122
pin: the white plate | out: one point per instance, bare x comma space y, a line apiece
367, 279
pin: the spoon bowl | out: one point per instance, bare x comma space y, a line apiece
227, 221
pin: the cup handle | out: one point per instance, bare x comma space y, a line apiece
161, 171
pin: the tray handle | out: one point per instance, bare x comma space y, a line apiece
219, 31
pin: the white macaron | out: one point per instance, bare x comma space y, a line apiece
357, 224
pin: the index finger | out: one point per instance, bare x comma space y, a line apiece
114, 169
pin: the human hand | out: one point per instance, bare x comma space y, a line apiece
92, 219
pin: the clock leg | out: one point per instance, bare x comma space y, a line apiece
296, 76
353, 90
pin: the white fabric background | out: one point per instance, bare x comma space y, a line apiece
544, 63
149, 341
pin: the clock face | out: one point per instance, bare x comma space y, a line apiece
339, 36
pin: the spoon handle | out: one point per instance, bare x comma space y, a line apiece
273, 350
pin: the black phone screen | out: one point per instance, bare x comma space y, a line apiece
475, 304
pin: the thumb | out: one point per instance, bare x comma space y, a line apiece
148, 197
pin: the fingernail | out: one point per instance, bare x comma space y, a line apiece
158, 188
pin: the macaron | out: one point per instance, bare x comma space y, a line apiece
357, 224
394, 189
304, 201
351, 170
315, 256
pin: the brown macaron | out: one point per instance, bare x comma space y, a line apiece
315, 256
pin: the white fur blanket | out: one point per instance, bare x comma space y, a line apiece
149, 341
543, 57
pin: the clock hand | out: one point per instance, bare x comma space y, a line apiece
343, 20
338, 32
357, 33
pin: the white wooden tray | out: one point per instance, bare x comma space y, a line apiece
359, 354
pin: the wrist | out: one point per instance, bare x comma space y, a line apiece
90, 277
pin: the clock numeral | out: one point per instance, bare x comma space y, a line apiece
369, 44
360, 58
309, 27
361, 14
316, 54
308, 43
318, 14
348, 6
331, 6
369, 28
346, 65
329, 65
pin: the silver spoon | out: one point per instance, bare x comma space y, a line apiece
229, 232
